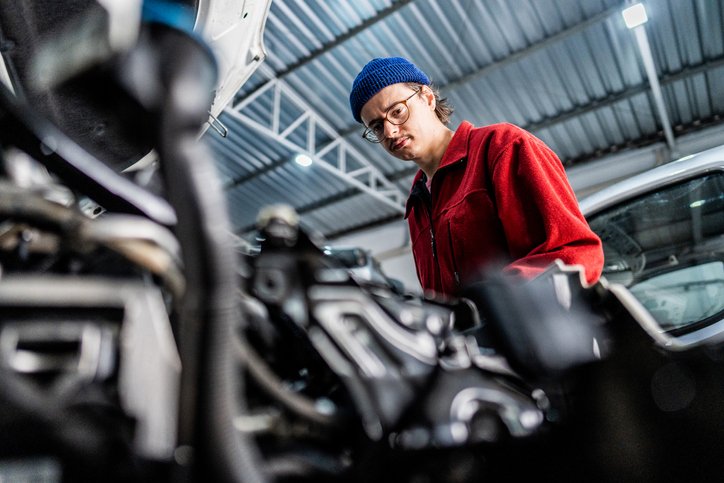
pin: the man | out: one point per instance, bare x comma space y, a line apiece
487, 196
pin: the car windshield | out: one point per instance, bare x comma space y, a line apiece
667, 247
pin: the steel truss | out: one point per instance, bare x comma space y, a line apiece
338, 157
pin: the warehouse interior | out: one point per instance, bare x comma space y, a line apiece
571, 72
206, 273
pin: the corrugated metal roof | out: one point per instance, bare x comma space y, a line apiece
567, 70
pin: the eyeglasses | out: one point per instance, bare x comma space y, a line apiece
398, 113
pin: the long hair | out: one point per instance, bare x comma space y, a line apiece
443, 109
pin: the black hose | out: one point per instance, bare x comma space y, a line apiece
269, 382
209, 311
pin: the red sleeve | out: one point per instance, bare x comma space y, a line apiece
539, 211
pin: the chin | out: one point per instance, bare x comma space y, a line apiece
404, 155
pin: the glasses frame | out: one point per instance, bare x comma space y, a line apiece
369, 135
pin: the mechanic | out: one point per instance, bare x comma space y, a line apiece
484, 197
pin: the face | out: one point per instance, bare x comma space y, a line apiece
407, 141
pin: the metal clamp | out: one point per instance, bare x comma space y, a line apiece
218, 126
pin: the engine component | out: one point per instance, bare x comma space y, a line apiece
66, 333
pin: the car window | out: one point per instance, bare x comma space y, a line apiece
667, 247
683, 297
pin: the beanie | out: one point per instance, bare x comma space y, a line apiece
378, 74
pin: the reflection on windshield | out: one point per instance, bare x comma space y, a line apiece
668, 247
682, 297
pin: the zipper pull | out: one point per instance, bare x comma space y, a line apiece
432, 242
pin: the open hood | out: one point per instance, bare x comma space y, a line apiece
69, 38
234, 30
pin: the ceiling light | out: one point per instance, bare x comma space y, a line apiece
303, 160
634, 15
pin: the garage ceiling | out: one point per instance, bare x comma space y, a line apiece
570, 71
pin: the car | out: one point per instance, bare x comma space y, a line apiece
663, 239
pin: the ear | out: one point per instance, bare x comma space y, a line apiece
429, 97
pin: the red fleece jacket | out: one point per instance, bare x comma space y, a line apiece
500, 198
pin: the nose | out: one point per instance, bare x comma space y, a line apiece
389, 128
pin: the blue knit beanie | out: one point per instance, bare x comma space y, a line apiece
378, 74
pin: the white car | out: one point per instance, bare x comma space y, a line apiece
663, 238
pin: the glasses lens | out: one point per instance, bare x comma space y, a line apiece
398, 113
370, 136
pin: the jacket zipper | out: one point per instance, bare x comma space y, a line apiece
428, 206
452, 254
421, 192
425, 196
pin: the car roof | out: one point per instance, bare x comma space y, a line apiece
669, 173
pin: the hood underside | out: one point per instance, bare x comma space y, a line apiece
84, 107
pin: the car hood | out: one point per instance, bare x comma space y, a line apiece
234, 31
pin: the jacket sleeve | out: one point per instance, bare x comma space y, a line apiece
539, 211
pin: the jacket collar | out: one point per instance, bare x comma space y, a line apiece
458, 147
456, 150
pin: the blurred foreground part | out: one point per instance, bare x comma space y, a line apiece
117, 290
47, 44
81, 358
655, 400
547, 325
649, 412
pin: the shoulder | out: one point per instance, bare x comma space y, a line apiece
502, 132
500, 137
492, 140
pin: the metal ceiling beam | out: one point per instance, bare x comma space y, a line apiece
681, 130
348, 163
622, 95
378, 17
531, 49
